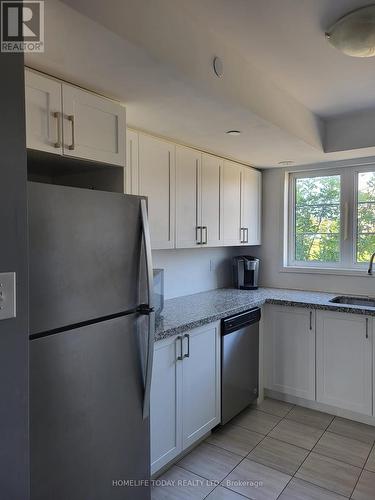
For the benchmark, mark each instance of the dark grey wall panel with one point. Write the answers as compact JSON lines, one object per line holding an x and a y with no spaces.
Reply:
{"x":14,"y":449}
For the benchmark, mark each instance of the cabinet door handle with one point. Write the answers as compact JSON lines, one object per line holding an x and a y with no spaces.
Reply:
{"x":204,"y":242}
{"x":179,"y":340}
{"x":366,"y":328}
{"x":247,"y":234}
{"x":72,"y":146}
{"x":242,"y":235}
{"x":198,"y":237}
{"x":311,"y":320}
{"x":187,"y":336}
{"x":56,"y":115}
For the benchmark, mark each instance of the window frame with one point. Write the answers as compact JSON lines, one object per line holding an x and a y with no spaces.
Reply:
{"x":348,"y":219}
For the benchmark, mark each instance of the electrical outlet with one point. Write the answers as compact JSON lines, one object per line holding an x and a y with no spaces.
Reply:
{"x":7,"y":295}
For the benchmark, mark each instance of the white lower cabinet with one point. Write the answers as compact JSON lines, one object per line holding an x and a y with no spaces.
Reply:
{"x":166,"y":423}
{"x":185,"y":393}
{"x":344,"y":361}
{"x":289,"y":346}
{"x":200,"y":384}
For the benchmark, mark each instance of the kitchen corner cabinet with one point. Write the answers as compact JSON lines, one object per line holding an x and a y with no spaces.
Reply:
{"x":66,"y":120}
{"x":185,"y":392}
{"x":156,"y":171}
{"x":344,"y":361}
{"x":289,"y":346}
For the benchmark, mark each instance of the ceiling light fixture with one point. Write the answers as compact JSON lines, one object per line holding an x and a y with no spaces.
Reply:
{"x":233,"y":132}
{"x":286,"y":163}
{"x":354,"y":33}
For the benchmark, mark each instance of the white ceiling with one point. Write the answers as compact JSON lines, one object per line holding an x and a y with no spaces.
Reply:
{"x":283,"y":84}
{"x":283,"y":38}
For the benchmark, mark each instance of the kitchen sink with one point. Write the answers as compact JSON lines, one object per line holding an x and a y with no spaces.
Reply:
{"x":354,"y":301}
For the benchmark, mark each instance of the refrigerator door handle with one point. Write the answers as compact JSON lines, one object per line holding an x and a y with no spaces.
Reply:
{"x":150,"y":310}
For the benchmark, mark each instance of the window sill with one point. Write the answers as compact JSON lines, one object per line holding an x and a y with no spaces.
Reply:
{"x":326,"y":270}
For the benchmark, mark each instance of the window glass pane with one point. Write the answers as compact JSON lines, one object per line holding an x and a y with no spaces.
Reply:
{"x":317,"y":219}
{"x":365,"y":216}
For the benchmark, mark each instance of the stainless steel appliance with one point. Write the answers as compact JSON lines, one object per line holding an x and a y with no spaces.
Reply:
{"x":239,"y":363}
{"x":246,"y":272}
{"x":158,"y":292}
{"x":91,"y":344}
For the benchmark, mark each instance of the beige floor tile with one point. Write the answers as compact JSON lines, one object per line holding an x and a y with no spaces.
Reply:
{"x":347,"y":450}
{"x":301,"y":490}
{"x":329,"y":473}
{"x":256,"y":481}
{"x":278,"y":455}
{"x":257,"y":421}
{"x":365,"y":489}
{"x":221,"y":493}
{"x":210,"y":462}
{"x":370,"y":464}
{"x":310,"y":417}
{"x":275,"y":407}
{"x":195,"y":487}
{"x":235,"y":439}
{"x":354,"y":430}
{"x":296,"y":433}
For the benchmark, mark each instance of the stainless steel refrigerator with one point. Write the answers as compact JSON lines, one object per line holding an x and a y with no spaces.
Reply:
{"x":91,"y":344}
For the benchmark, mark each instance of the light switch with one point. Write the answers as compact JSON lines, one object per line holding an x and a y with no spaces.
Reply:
{"x":7,"y":295}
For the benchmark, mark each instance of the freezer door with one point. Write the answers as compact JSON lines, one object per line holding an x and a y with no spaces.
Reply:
{"x":88,"y":435}
{"x":84,"y":250}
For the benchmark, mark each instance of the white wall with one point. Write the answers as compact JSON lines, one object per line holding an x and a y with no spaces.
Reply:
{"x":271,"y":251}
{"x":196,"y":270}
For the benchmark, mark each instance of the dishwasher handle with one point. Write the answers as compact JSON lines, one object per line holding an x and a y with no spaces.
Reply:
{"x":238,"y":321}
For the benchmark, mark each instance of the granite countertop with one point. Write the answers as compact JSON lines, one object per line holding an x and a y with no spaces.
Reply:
{"x":191,"y":311}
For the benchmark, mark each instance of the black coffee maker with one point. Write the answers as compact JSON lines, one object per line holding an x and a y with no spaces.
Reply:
{"x":246,"y":272}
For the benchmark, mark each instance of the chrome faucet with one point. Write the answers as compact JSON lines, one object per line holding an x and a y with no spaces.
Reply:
{"x":371,"y":264}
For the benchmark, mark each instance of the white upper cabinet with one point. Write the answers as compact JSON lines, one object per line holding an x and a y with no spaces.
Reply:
{"x":232,"y":203}
{"x":93,"y":126}
{"x":196,"y":200}
{"x":157,"y":182}
{"x":344,"y":361}
{"x":289,"y":347}
{"x":43,"y":113}
{"x":251,"y":199}
{"x":188,"y":197}
{"x":131,"y":177}
{"x":67,"y":120}
{"x":211,"y":204}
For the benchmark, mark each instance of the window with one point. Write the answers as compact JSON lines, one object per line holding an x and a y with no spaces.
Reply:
{"x":317,"y":219}
{"x":365,"y":216}
{"x":331,"y":218}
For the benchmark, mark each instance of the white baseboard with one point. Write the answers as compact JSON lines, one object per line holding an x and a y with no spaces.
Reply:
{"x":314,"y":405}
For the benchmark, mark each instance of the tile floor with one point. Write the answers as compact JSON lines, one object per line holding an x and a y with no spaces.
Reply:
{"x":277,"y":451}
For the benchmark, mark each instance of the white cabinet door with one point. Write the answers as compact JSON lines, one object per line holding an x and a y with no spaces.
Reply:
{"x":251,"y":189}
{"x":165,"y":420}
{"x":201,"y":383}
{"x":211,"y":200}
{"x":131,"y":176}
{"x":344,"y":361}
{"x":188,"y":171}
{"x":232,"y":203}
{"x":43,"y":113}
{"x":157,"y":182}
{"x":93,"y":127}
{"x":289,"y":344}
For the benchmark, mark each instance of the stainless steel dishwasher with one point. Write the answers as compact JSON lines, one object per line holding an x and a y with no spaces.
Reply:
{"x":239,"y":362}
